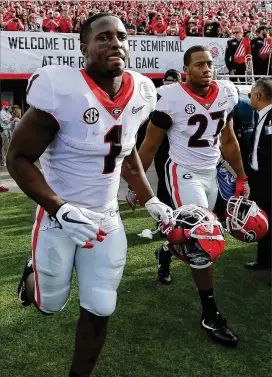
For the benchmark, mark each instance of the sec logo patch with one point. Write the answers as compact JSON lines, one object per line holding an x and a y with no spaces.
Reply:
{"x":190,"y":109}
{"x":91,"y":115}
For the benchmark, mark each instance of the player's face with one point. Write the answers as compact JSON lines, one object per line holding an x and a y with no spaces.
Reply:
{"x":200,"y":68}
{"x":107,"y":49}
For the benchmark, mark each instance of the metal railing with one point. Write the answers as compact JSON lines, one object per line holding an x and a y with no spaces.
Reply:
{"x":246,"y":79}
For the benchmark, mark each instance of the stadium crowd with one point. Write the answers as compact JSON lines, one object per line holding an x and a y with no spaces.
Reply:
{"x":176,"y":18}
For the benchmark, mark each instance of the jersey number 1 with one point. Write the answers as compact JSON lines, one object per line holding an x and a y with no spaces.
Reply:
{"x":113,"y":136}
{"x":195,"y":140}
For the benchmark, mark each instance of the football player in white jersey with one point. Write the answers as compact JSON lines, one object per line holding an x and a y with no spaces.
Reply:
{"x":197,"y":116}
{"x":83,"y":124}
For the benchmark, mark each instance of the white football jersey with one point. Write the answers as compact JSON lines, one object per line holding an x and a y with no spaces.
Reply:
{"x":83,"y":163}
{"x":197,"y":122}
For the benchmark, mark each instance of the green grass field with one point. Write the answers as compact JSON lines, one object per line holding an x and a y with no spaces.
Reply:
{"x":155,"y":330}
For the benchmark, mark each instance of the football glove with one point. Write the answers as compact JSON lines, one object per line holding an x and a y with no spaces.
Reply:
{"x":80,"y":225}
{"x":159,"y":211}
{"x":242,"y":187}
{"x":132,"y":199}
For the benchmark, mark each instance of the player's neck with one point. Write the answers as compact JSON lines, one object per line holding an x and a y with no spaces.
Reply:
{"x":109,"y":85}
{"x":199,"y":90}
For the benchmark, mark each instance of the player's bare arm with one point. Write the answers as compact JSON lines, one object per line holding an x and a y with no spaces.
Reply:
{"x":35,"y":131}
{"x":153,"y":138}
{"x":231,"y":150}
{"x":133,"y":173}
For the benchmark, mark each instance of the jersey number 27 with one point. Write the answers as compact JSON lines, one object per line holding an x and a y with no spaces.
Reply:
{"x":195,"y":140}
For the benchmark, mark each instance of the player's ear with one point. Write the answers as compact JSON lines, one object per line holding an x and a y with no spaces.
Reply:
{"x":84,"y":50}
{"x":185,"y":69}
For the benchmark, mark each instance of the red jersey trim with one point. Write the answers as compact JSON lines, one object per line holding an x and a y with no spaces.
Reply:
{"x":117,"y":106}
{"x":209,"y":98}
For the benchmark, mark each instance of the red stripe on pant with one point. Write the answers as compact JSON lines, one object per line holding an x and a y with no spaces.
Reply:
{"x":175,"y":183}
{"x":34,"y":246}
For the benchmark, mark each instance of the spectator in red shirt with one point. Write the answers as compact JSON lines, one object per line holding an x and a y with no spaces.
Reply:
{"x":14,"y":24}
{"x":10,"y":15}
{"x":159,"y":28}
{"x":57,"y":16}
{"x":65,"y":23}
{"x":49,"y":24}
{"x":155,"y":20}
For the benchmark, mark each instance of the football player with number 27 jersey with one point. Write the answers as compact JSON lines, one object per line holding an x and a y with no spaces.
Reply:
{"x":82,"y":124}
{"x":197,"y":117}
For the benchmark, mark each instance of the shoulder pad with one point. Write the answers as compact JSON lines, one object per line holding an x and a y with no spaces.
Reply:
{"x":46,"y":84}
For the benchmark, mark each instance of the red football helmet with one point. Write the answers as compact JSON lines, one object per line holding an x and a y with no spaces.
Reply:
{"x":245,"y":220}
{"x":197,"y":236}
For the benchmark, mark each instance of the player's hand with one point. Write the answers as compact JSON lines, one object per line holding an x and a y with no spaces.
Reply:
{"x":242,"y":187}
{"x":80,"y":225}
{"x":159,"y":211}
{"x":132,"y":199}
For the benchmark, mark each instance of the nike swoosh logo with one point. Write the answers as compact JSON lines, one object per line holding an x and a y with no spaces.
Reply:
{"x":136,"y":109}
{"x":69,"y":220}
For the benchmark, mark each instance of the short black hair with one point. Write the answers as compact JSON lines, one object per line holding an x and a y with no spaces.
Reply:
{"x":86,"y":26}
{"x":190,"y":51}
{"x":265,"y":83}
{"x":261,"y":28}
{"x":173,"y":74}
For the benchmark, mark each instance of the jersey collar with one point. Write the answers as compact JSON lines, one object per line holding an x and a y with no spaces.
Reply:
{"x":116,"y":106}
{"x":209,"y":98}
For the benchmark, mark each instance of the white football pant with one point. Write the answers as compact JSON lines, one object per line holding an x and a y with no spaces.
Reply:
{"x":191,"y":187}
{"x":99,"y":270}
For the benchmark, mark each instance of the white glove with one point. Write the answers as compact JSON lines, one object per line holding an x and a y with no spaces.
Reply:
{"x":79,"y":224}
{"x":159,"y":211}
{"x":132,"y":199}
